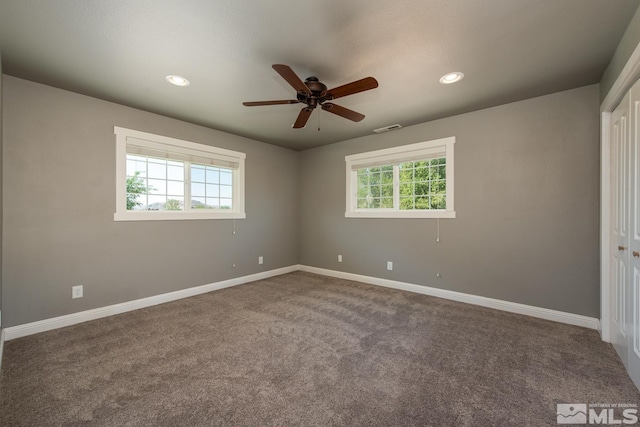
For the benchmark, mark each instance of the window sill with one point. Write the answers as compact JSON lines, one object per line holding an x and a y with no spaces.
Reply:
{"x":171,"y":216}
{"x":401,"y":214}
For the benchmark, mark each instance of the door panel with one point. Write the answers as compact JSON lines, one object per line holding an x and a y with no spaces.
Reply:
{"x":620,"y":227}
{"x":631,"y":303}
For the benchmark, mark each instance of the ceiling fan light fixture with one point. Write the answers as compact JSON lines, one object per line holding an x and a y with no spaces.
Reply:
{"x":449,"y":78}
{"x":177,"y":80}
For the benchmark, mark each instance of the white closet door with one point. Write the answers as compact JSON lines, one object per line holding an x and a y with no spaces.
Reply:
{"x":620,"y":228}
{"x":633,"y":288}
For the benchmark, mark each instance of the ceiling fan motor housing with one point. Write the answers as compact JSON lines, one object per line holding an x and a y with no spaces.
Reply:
{"x":316,"y":88}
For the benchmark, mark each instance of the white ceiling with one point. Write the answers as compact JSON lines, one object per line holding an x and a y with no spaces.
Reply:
{"x":121,"y":50}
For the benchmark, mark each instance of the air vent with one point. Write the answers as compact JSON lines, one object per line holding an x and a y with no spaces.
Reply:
{"x":387,"y":128}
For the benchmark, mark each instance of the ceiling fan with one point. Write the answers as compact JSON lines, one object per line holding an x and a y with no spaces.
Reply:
{"x":313,"y":93}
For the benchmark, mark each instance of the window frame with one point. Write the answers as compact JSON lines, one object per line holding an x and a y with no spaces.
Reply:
{"x":126,"y":136}
{"x":395,"y":155}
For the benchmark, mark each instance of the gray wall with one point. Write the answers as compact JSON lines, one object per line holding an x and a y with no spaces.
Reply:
{"x":59,"y":192}
{"x":1,"y":185}
{"x":625,"y":48}
{"x":526,"y":196}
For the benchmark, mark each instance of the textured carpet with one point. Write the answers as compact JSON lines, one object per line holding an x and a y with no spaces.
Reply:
{"x":302,"y":349}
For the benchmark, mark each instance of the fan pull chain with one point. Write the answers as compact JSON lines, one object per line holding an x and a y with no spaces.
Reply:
{"x":318,"y":120}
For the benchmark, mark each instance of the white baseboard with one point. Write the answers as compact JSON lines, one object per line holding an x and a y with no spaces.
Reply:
{"x":1,"y":346}
{"x":97,"y":313}
{"x":512,"y":307}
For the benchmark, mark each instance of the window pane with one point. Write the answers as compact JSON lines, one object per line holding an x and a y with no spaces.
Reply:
{"x":387,"y":191}
{"x":175,"y":172}
{"x":136,"y":201}
{"x":226,"y":177}
{"x":156,"y":203}
{"x":157,"y":186}
{"x":136,"y":164}
{"x":438,"y":187}
{"x":197,"y":203}
{"x":141,"y":168}
{"x":131,"y":167}
{"x":197,"y":173}
{"x":406,"y":175}
{"x":438,"y":202}
{"x":175,"y":188}
{"x":157,"y":170}
{"x":197,"y":189}
{"x":386,"y":202}
{"x":362,"y":192}
{"x":213,"y":175}
{"x":225,"y":203}
{"x":406,"y":189}
{"x":422,"y":189}
{"x":225,"y":191}
{"x":422,"y":203}
{"x":421,"y":174}
{"x":213,"y":190}
{"x":174,"y":204}
{"x":213,"y":203}
{"x":406,"y":203}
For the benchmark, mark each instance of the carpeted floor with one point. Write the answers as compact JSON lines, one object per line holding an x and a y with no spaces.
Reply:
{"x":308,"y":350}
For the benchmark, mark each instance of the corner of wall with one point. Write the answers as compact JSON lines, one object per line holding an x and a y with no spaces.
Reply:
{"x":628,"y":43}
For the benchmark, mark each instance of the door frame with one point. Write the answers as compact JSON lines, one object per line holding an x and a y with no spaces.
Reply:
{"x":627,"y":77}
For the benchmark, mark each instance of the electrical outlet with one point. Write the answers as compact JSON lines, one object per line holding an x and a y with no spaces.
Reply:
{"x":389,"y":265}
{"x":76,"y":291}
{"x":260,"y":260}
{"x":339,"y":258}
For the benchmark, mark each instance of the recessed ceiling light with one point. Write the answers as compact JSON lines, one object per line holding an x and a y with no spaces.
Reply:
{"x":178,"y":80}
{"x":451,"y":78}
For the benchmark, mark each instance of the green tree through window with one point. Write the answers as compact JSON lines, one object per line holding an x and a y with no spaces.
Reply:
{"x":135,"y":187}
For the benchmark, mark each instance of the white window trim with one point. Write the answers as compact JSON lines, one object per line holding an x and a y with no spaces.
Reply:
{"x":177,"y":145}
{"x":390,"y":155}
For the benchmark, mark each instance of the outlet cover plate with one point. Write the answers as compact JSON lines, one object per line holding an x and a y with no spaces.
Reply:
{"x":76,"y":292}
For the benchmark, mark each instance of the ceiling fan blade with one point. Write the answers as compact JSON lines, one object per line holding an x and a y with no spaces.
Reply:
{"x":291,"y":77}
{"x":343,"y":112}
{"x":259,"y":103}
{"x":304,"y":115}
{"x":350,"y":88}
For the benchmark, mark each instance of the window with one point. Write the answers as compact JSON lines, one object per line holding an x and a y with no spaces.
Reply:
{"x":161,"y":178}
{"x":410,"y":181}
